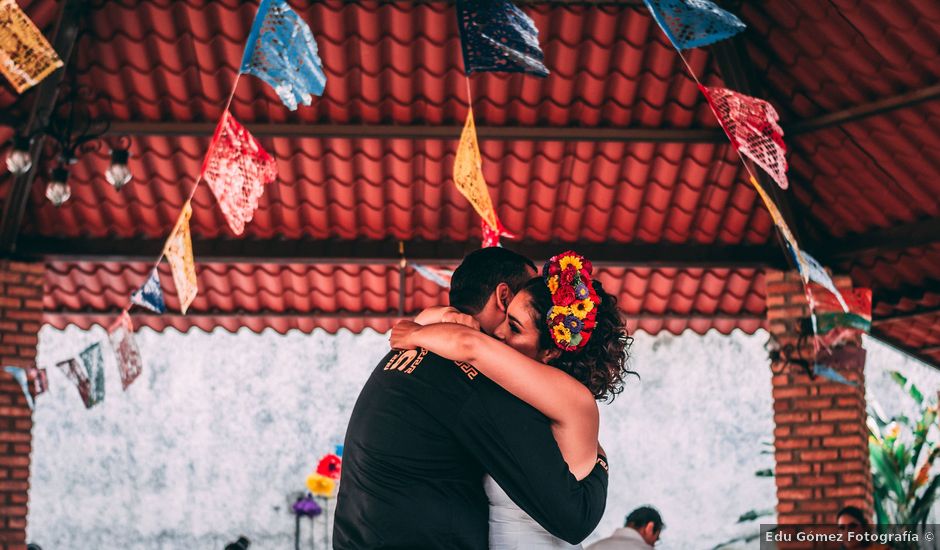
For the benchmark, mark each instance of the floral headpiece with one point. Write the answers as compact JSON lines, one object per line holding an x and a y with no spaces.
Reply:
{"x":571,"y":319}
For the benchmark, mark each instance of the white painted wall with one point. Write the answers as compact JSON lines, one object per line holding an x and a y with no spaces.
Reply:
{"x":221,"y":430}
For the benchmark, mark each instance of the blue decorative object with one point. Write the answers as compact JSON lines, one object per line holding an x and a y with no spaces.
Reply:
{"x":281,"y":51}
{"x":817,"y":273}
{"x":440,"y":277}
{"x":832,"y":374}
{"x":498,"y":37}
{"x":339,"y":450}
{"x":93,"y":360}
{"x":694,"y":23}
{"x":150,"y":295}
{"x":20,"y":375}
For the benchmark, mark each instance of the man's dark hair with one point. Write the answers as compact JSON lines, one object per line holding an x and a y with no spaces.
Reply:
{"x":481,"y":272}
{"x":644,"y":515}
{"x":855,"y":513}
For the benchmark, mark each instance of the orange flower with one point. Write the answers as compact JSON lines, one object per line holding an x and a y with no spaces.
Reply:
{"x":923,"y":475}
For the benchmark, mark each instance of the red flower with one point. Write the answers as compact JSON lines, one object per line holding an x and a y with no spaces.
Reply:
{"x":593,"y":295}
{"x":564,"y":296}
{"x":568,"y":275}
{"x":587,"y":266}
{"x":330,"y":466}
{"x":553,"y":268}
{"x":589,"y":322}
{"x":557,"y":320}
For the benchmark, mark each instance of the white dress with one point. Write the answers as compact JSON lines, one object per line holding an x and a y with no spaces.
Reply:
{"x":513,"y":529}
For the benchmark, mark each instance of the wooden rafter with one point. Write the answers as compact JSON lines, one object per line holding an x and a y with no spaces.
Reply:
{"x":386,"y":252}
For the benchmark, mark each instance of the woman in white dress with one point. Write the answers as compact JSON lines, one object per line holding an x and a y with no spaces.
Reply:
{"x":562,"y":346}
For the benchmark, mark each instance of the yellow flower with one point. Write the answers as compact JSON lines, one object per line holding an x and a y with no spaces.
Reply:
{"x":553,"y":284}
{"x":559,"y":310}
{"x":320,"y":485}
{"x":581,"y":308}
{"x":565,"y":261}
{"x":893,"y":430}
{"x":562,"y":334}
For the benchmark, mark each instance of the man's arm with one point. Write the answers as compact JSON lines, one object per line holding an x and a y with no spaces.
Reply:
{"x":514,"y":444}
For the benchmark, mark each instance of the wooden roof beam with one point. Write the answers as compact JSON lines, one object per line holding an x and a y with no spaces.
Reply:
{"x":391,"y":314}
{"x":899,"y":237}
{"x":865,"y":110}
{"x":440,"y":132}
{"x":385,"y":252}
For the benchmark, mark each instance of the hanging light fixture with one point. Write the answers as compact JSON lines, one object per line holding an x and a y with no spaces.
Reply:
{"x":68,"y":130}
{"x":19,"y":160}
{"x":119,"y":173}
{"x":58,"y":190}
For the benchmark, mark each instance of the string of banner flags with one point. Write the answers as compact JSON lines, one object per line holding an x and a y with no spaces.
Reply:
{"x":751,"y":125}
{"x":496,"y":36}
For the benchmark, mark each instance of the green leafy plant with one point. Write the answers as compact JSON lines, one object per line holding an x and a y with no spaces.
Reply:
{"x":903,"y":450}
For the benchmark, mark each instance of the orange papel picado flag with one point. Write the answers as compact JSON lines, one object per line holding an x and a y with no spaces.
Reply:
{"x":179,"y":252}
{"x":468,"y":174}
{"x":26,"y":57}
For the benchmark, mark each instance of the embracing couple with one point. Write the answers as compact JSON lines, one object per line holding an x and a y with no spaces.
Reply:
{"x":479,"y":429}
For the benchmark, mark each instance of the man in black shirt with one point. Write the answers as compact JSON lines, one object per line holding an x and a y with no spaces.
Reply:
{"x":425,"y":430}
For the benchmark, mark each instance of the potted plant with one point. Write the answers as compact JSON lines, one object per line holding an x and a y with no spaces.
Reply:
{"x":903,"y":450}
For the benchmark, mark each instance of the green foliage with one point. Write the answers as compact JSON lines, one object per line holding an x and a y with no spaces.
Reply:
{"x":751,"y":515}
{"x":903,"y":451}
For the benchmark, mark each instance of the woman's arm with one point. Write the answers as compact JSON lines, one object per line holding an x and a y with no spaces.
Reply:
{"x":553,"y":392}
{"x":446,"y":314}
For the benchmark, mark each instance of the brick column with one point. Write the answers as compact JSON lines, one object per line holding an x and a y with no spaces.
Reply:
{"x":820,"y":439}
{"x":21,"y":292}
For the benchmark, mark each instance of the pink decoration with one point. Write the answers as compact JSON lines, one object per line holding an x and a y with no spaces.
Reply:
{"x":491,"y":237}
{"x":121,"y":335}
{"x":237,"y":169}
{"x":40,"y":381}
{"x":751,"y":125}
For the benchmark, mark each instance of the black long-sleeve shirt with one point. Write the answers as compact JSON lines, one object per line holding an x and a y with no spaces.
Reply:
{"x":423,"y":432}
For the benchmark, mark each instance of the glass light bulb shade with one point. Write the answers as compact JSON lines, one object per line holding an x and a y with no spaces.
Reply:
{"x":118,"y":175}
{"x":58,"y":192}
{"x":19,"y":161}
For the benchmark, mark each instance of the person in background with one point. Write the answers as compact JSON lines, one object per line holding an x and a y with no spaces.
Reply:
{"x":640,"y":532}
{"x":853,"y":519}
{"x":241,"y":544}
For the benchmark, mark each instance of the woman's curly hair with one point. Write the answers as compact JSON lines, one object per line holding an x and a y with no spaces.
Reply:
{"x":601,"y":365}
